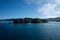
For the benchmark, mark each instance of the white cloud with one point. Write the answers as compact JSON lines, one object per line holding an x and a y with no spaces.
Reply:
{"x":57,"y":1}
{"x":49,"y":16}
{"x":48,"y":9}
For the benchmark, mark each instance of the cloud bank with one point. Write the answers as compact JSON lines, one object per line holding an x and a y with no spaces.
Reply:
{"x":49,"y":8}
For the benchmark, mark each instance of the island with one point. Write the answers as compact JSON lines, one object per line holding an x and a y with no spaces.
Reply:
{"x":29,"y":20}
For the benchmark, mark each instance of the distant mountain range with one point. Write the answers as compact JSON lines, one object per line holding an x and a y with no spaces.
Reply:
{"x":11,"y":19}
{"x":48,"y":19}
{"x":7,"y":20}
{"x":54,"y":19}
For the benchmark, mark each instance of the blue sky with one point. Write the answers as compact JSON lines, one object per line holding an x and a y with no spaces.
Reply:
{"x":29,"y":8}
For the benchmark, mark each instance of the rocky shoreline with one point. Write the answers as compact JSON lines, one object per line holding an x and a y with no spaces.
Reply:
{"x":29,"y":20}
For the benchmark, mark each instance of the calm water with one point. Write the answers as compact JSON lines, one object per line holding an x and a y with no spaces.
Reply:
{"x":41,"y":31}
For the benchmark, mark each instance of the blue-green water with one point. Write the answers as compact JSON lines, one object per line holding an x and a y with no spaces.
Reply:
{"x":40,"y":31}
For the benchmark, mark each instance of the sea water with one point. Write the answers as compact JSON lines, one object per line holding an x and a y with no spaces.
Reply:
{"x":30,"y":31}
